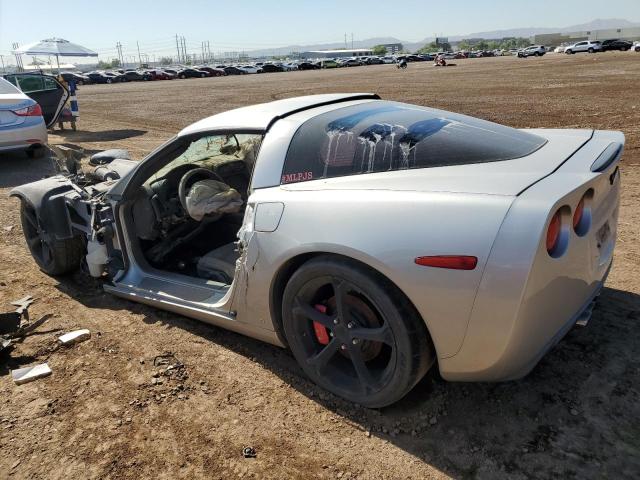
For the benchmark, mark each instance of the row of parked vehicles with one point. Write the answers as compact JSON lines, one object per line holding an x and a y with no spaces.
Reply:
{"x":170,"y":73}
{"x":587,"y":46}
{"x":203,"y":71}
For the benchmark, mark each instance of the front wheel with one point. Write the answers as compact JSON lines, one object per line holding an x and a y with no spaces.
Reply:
{"x":353,"y":332}
{"x":591,"y":50}
{"x":54,"y":257}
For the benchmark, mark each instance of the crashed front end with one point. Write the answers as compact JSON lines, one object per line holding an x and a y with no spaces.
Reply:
{"x":72,"y":205}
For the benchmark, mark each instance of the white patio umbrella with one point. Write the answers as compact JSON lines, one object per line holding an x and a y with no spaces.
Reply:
{"x":57,"y":47}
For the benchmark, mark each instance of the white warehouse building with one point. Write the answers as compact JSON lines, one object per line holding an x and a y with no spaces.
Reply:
{"x":342,"y":53}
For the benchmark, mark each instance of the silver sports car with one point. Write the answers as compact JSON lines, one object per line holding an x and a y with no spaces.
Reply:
{"x":372,"y":238}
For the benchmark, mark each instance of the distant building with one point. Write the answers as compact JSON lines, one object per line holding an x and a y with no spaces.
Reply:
{"x":342,"y":53}
{"x":393,"y":48}
{"x":556,"y":39}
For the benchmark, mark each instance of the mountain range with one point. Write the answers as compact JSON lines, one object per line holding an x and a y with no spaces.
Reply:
{"x":412,"y":46}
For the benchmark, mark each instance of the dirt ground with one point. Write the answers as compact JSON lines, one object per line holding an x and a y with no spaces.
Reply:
{"x":100,"y":415}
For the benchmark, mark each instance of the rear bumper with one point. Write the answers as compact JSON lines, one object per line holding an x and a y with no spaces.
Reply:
{"x":32,"y":132}
{"x":583,"y":314}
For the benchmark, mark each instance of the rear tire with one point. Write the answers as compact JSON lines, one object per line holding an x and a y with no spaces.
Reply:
{"x":375,"y":347}
{"x":54,"y":257}
{"x":591,"y":50}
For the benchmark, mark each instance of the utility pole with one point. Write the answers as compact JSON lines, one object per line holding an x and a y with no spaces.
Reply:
{"x":139,"y":58}
{"x":2,"y":61}
{"x":18,"y":57}
{"x":120,"y":56}
{"x":178,"y":48}
{"x":183,"y":42}
{"x":345,"y":41}
{"x":351,"y":40}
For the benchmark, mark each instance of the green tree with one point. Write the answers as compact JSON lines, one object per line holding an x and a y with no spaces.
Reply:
{"x":464,"y":45}
{"x":166,"y":61}
{"x":379,"y":50}
{"x":115,"y":63}
{"x":103,"y":65}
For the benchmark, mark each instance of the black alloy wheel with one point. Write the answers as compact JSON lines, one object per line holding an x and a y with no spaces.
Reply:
{"x":354,"y":333}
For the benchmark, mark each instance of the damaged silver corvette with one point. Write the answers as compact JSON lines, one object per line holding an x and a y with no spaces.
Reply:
{"x":373,"y":238}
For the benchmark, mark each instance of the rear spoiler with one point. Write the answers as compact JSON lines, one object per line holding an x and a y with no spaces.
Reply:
{"x":609,"y":156}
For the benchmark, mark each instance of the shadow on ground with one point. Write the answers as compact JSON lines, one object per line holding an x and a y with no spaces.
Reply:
{"x":16,"y":168}
{"x":99,"y":136}
{"x":579,"y":407}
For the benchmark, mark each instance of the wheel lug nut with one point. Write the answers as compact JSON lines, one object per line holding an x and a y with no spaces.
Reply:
{"x":336,"y":321}
{"x":355,"y":341}
{"x":350,"y":325}
{"x":343,"y":347}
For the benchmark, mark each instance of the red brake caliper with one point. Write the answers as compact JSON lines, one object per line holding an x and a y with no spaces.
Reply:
{"x":321,"y":331}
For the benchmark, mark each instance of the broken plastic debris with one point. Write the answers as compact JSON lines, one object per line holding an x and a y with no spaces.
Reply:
{"x":29,"y":374}
{"x":74,"y":337}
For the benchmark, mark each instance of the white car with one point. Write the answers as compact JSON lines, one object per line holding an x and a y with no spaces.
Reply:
{"x":289,"y":67}
{"x":532,"y":51}
{"x":388,"y":59}
{"x":584,"y":46}
{"x":29,"y":103}
{"x":250,"y":68}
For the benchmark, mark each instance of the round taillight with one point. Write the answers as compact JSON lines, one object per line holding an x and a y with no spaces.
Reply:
{"x":553,"y":232}
{"x":577,"y":215}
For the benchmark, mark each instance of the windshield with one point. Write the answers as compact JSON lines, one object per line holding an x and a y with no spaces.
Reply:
{"x":212,"y":150}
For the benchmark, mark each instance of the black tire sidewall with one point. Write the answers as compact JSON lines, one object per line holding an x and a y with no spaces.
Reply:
{"x":66,"y":254}
{"x":409,"y":345}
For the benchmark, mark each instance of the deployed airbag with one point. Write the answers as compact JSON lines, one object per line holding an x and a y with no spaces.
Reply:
{"x":211,"y":197}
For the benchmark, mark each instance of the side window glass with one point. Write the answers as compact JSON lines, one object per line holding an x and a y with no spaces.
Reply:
{"x":50,"y":83}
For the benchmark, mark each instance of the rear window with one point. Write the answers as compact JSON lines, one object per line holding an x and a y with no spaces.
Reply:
{"x":6,"y":87}
{"x":385,"y":136}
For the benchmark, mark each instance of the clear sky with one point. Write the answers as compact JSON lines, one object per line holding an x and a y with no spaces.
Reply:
{"x":250,"y":24}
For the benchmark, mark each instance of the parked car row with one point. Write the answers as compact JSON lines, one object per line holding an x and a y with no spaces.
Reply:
{"x":182,"y":72}
{"x":588,"y":46}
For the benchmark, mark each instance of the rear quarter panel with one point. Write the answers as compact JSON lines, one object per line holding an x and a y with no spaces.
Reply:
{"x":386,"y":230}
{"x":526,"y":297}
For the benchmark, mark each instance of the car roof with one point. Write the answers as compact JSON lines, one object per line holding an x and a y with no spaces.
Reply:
{"x":263,"y":115}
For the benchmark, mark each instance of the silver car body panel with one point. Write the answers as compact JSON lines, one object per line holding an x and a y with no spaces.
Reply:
{"x":490,"y":323}
{"x":527,"y":299}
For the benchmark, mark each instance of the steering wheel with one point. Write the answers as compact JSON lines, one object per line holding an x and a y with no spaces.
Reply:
{"x":191,"y":177}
